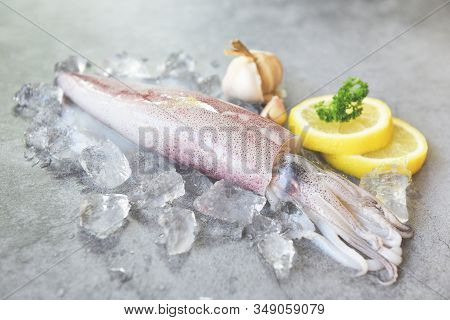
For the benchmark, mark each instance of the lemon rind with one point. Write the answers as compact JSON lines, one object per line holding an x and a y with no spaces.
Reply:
{"x":358,"y":165}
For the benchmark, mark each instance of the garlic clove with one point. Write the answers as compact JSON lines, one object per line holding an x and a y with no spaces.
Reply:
{"x":270,"y":70}
{"x":275,"y":111}
{"x":242,"y":80}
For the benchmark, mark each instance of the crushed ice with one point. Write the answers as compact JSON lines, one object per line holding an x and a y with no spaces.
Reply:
{"x":278,"y":252}
{"x":262,"y":225}
{"x":156,"y":191}
{"x":124,"y":65}
{"x":195,"y":184}
{"x":72,"y":64}
{"x":389,"y":186}
{"x":185,"y":203}
{"x":33,"y":98}
{"x":101,"y":215}
{"x":227,"y":202}
{"x":179,"y":227}
{"x":105,"y":164}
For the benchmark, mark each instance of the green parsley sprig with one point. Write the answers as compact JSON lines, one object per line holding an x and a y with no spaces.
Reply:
{"x":346,"y":103}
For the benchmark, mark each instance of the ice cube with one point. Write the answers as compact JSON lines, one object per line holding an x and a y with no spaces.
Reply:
{"x":38,"y":142}
{"x":177,"y":64}
{"x":146,"y":163}
{"x":63,"y":159}
{"x":389,"y":186}
{"x":124,"y":65}
{"x":195,"y":184}
{"x":210,"y":85}
{"x":38,"y":94}
{"x":56,"y":146}
{"x":29,"y":153}
{"x":105,"y":164}
{"x":46,"y":117}
{"x":213,"y":229}
{"x":66,"y":150}
{"x":47,"y":138}
{"x":262,"y":225}
{"x":73,"y":63}
{"x":225,"y":201}
{"x":37,"y":137}
{"x":60,"y":140}
{"x":34,"y":97}
{"x":157,"y":191}
{"x":278,"y":252}
{"x":103,"y":214}
{"x":79,"y":140}
{"x":179,"y":227}
{"x":178,"y":72}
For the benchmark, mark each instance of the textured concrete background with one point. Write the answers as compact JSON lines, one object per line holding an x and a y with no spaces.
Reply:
{"x":316,"y":40}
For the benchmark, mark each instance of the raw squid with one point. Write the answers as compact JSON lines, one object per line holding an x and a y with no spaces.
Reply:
{"x":225,"y":141}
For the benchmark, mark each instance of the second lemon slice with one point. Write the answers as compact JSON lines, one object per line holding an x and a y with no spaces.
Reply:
{"x":408,"y":149}
{"x":372,"y":130}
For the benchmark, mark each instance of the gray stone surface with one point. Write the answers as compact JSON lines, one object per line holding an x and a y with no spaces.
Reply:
{"x":316,"y":40}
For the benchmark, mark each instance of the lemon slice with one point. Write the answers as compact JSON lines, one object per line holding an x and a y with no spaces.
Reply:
{"x":408,"y":149}
{"x":372,"y":130}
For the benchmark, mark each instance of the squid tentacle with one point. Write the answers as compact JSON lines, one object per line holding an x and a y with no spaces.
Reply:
{"x":369,"y":217}
{"x":362,"y":246}
{"x":391,"y":255}
{"x":335,"y":253}
{"x":329,"y":243}
{"x":312,"y":186}
{"x":333,"y":214}
{"x":390,"y":267}
{"x":332,"y":236}
{"x":369,"y":200}
{"x":356,"y":229}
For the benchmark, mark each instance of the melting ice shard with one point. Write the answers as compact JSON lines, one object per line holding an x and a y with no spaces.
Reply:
{"x":104,"y":214}
{"x":179,"y":71}
{"x":124,"y":65}
{"x":105,"y":164}
{"x":389,"y":186}
{"x":278,"y":252}
{"x":195,"y":184}
{"x":72,"y":64}
{"x":262,"y":225}
{"x":179,"y":227}
{"x":177,"y":63}
{"x":155,"y":192}
{"x":225,"y":201}
{"x":146,"y":164}
{"x":35,"y":97}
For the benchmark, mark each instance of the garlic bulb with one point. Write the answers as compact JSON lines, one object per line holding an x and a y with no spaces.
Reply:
{"x":253,"y":76}
{"x":275,"y":110}
{"x":242,"y":81}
